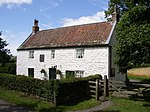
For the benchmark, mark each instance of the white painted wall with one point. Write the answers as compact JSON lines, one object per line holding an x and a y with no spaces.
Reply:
{"x":95,"y":61}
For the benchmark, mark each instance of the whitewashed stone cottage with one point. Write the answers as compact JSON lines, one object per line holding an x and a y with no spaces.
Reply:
{"x":81,"y":50}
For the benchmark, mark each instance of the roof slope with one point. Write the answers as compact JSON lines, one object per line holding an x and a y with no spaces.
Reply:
{"x":80,"y":35}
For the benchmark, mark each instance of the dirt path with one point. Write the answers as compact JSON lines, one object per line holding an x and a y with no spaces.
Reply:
{"x":7,"y":107}
{"x":102,"y":106}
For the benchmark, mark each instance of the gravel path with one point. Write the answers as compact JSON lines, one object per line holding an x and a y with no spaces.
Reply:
{"x":102,"y":106}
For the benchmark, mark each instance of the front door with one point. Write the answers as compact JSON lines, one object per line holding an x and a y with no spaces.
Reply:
{"x":52,"y":73}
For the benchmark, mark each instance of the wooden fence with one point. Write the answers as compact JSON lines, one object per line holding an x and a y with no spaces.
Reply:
{"x":104,"y":87}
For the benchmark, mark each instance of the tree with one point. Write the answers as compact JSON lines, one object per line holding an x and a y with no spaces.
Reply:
{"x":133,"y":38}
{"x":4,"y":53}
{"x":125,"y":5}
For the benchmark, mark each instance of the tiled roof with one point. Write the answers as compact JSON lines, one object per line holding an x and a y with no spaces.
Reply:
{"x":79,"y":35}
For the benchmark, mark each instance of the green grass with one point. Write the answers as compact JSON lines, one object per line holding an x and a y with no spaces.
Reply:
{"x":126,"y":105}
{"x":84,"y":105}
{"x":130,"y":76}
{"x":143,"y":79}
{"x":17,"y":98}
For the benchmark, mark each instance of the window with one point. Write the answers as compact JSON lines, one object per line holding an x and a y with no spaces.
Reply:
{"x":52,"y":54}
{"x":79,"y":53}
{"x":31,"y":72}
{"x":42,"y":58}
{"x":31,"y":54}
{"x":73,"y":74}
{"x":70,"y":74}
{"x":79,"y":73}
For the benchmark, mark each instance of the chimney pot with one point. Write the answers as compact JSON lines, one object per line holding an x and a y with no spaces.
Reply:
{"x":35,"y":28}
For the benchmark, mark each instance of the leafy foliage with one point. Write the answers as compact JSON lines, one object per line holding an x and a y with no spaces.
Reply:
{"x":65,"y":90}
{"x":133,"y":37}
{"x":4,"y":53}
{"x":125,"y":5}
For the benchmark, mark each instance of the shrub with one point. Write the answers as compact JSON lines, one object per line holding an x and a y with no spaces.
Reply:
{"x":27,"y":85}
{"x":72,"y":90}
{"x":11,"y":68}
{"x":3,"y":70}
{"x":65,"y":90}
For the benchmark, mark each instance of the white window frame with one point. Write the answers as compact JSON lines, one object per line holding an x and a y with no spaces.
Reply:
{"x":79,"y":73}
{"x":79,"y":53}
{"x":52,"y":54}
{"x":31,"y":54}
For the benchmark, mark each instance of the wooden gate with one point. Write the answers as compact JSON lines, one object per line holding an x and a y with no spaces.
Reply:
{"x":104,"y":87}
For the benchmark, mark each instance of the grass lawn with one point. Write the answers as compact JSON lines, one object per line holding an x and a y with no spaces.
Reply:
{"x":134,"y":105}
{"x":40,"y":105}
{"x":142,"y":74}
{"x":126,"y":105}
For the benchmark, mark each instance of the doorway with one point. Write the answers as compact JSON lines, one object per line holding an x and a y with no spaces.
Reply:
{"x":52,"y":73}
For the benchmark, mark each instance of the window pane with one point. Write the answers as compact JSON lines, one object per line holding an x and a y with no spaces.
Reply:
{"x":31,"y":54}
{"x":42,"y":58}
{"x":79,"y":53}
{"x":70,"y":74}
{"x":52,"y":54}
{"x":31,"y":72}
{"x":79,"y":73}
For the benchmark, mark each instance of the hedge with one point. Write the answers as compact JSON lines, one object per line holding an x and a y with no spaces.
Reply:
{"x":9,"y":68}
{"x":3,"y":69}
{"x":27,"y":85}
{"x":65,"y":90}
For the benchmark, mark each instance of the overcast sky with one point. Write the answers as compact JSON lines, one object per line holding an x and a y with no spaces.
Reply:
{"x":17,"y":16}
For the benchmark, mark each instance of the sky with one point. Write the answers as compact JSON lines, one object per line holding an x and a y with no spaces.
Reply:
{"x":17,"y":16}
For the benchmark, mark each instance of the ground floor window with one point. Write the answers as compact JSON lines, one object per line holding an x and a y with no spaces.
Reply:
{"x":31,"y":72}
{"x":79,"y":73}
{"x":70,"y":74}
{"x":73,"y":74}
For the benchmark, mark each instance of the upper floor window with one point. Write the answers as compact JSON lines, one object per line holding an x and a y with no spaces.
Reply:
{"x":31,"y":54}
{"x":42,"y":58}
{"x":53,"y":54}
{"x":79,"y":53}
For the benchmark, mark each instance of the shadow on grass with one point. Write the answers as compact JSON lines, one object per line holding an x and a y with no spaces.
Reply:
{"x":147,"y":81}
{"x":109,"y":111}
{"x":58,"y":109}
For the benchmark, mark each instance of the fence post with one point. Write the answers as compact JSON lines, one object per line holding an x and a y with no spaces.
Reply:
{"x":105,"y":86}
{"x":97,"y":89}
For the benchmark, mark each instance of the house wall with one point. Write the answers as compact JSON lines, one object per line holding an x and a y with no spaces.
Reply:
{"x":118,"y":75}
{"x":95,"y":61}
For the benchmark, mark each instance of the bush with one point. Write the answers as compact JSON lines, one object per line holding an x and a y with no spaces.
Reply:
{"x":65,"y":90}
{"x":11,"y":67}
{"x":27,"y":85}
{"x":72,"y":90}
{"x":3,"y":70}
{"x":76,"y":89}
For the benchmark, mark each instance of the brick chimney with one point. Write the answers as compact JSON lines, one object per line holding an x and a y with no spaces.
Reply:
{"x":115,"y":16}
{"x":35,"y":28}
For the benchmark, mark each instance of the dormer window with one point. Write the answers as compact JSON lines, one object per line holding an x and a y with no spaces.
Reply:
{"x":79,"y":53}
{"x":31,"y":54}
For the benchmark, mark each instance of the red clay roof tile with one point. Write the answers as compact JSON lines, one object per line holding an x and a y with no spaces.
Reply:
{"x":79,"y":35}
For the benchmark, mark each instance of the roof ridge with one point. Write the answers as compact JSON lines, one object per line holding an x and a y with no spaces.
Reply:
{"x":76,"y":25}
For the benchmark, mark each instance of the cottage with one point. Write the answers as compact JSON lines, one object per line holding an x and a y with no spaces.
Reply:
{"x":80,"y":50}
